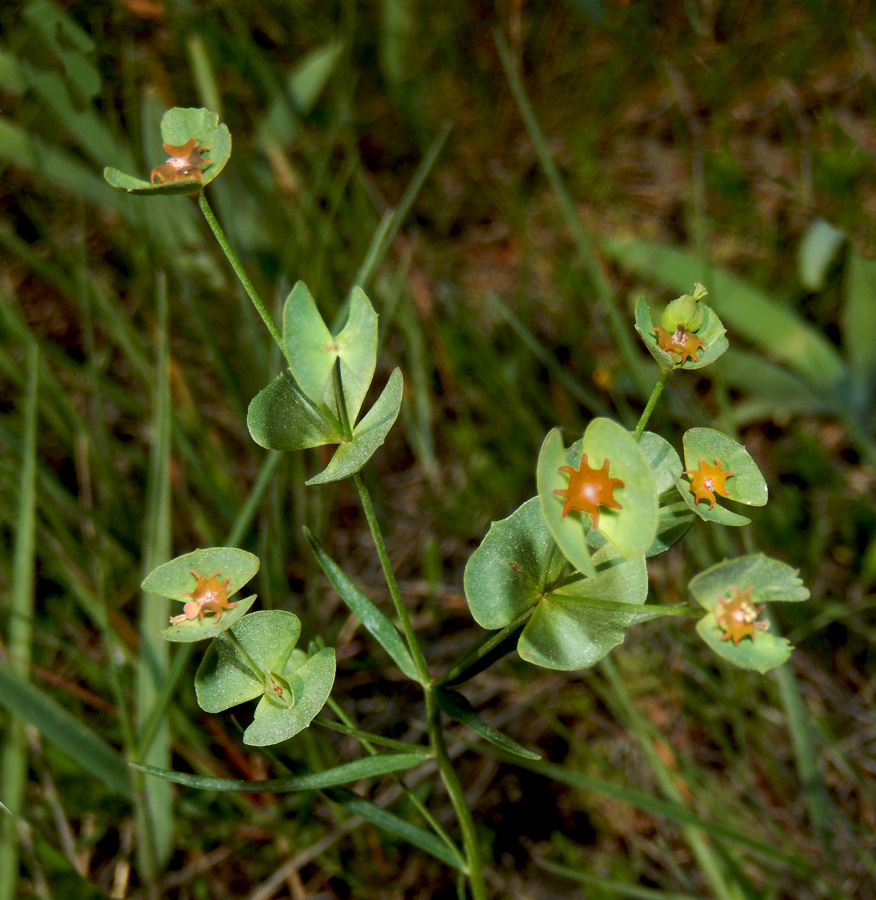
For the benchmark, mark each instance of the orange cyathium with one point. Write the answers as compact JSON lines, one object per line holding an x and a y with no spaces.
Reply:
{"x":738,"y":616}
{"x":589,"y":489}
{"x":708,"y":480}
{"x":209,"y":595}
{"x":682,"y":343}
{"x":185,"y":162}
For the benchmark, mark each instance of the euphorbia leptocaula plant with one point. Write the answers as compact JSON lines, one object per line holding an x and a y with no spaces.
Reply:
{"x":562,"y":578}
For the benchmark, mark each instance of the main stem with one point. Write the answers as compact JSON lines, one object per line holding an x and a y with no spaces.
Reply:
{"x":248,"y":286}
{"x":451,"y":781}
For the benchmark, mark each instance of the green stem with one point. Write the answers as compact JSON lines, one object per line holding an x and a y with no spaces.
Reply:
{"x":457,"y":797}
{"x":248,"y":286}
{"x":391,"y":583}
{"x":652,"y":402}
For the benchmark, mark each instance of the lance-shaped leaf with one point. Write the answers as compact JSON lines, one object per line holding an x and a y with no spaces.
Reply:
{"x":458,"y":707}
{"x":179,"y":126}
{"x":380,"y":627}
{"x":313,"y":350}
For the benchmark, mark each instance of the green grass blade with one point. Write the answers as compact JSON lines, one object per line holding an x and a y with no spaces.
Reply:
{"x":620,"y":330}
{"x":64,"y":730}
{"x":13,"y":766}
{"x":155,"y":820}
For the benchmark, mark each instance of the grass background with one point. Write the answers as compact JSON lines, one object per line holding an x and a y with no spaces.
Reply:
{"x":129,"y":354}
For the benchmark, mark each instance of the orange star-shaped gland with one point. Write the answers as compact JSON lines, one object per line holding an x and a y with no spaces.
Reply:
{"x":209,"y":595}
{"x":738,"y":616}
{"x":706,"y":481}
{"x":185,"y":162}
{"x":589,"y":489}
{"x":682,"y":343}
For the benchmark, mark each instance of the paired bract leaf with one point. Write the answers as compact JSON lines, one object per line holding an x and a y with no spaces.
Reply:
{"x":631,"y":529}
{"x":571,"y":629}
{"x":507,"y":573}
{"x":299,"y":408}
{"x":516,"y":569}
{"x":764,"y":580}
{"x":282,"y":417}
{"x":178,"y":126}
{"x":706,"y":446}
{"x":289,"y":699}
{"x":313,"y":350}
{"x":175,"y":579}
{"x":368,"y":435}
{"x":711,"y":333}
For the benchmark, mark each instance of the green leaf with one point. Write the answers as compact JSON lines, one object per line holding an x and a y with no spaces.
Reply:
{"x":377,"y":624}
{"x":61,"y":728}
{"x":394,"y":824}
{"x":310,"y":684}
{"x":311,"y":73}
{"x":570,"y":532}
{"x":458,"y":707}
{"x":569,"y":630}
{"x":368,"y":435}
{"x":313,"y":350}
{"x":282,"y":417}
{"x":663,"y":459}
{"x":225,"y":679}
{"x":371,"y":767}
{"x":178,"y":125}
{"x":746,"y":485}
{"x":507,"y":573}
{"x":175,"y":579}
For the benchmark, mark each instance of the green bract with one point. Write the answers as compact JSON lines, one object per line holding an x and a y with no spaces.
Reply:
{"x":632,"y":529}
{"x":746,"y":485}
{"x":516,"y":576}
{"x":175,"y":580}
{"x":770,"y":581}
{"x":178,"y":125}
{"x":711,"y":332}
{"x":291,"y":695}
{"x":301,"y":407}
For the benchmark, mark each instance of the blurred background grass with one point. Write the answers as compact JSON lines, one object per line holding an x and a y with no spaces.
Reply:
{"x":741,"y":134}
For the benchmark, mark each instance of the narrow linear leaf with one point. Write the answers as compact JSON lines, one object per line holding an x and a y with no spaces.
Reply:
{"x":458,"y":707}
{"x":370,"y":767}
{"x":396,"y":825}
{"x":377,"y":624}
